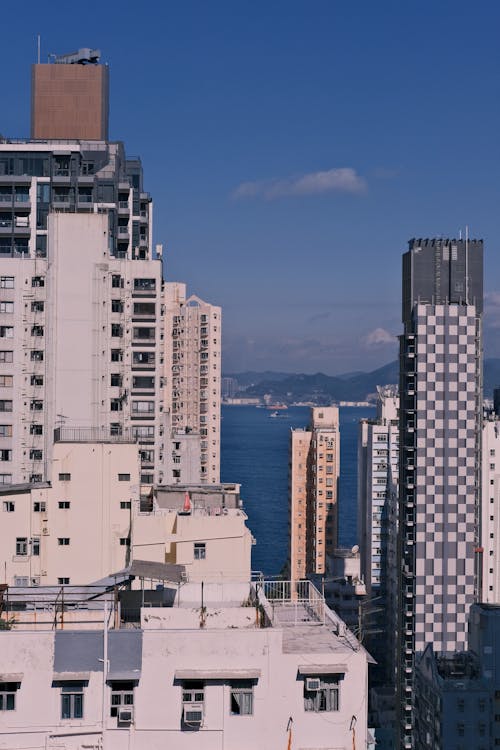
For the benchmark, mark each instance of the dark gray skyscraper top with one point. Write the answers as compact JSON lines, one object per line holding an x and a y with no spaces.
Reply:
{"x":442,"y":272}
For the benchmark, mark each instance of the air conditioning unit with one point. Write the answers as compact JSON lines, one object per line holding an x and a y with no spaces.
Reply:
{"x":35,"y":581}
{"x":45,"y":530}
{"x":126,"y":715}
{"x":193,"y":713}
{"x":313,"y":684}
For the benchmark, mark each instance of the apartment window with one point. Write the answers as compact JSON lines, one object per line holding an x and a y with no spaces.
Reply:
{"x":143,"y":358}
{"x":63,"y":541}
{"x":5,"y":430}
{"x":241,"y":701}
{"x":39,"y":507}
{"x":5,"y":478}
{"x":64,"y":504}
{"x":147,"y":479}
{"x":116,"y":281}
{"x":200,"y":551}
{"x":36,"y":404}
{"x":8,"y":692}
{"x":72,"y":698}
{"x":37,"y":330}
{"x":116,"y":355}
{"x":64,"y":477}
{"x":7,"y":332}
{"x":124,"y":477}
{"x":122,"y":696}
{"x":143,"y":382}
{"x":36,"y":380}
{"x":37,"y":281}
{"x":144,"y":333}
{"x":116,"y":404}
{"x":36,"y":454}
{"x":116,"y":330}
{"x":125,"y":541}
{"x":326,"y":697}
{"x":35,"y":546}
{"x":6,"y":356}
{"x":145,"y":285}
{"x":143,"y":407}
{"x":63,"y":581}
{"x":144,"y":308}
{"x":21,"y":546}
{"x":37,"y":306}
{"x":147,"y":457}
{"x":6,"y":282}
{"x":6,"y":307}
{"x":116,"y":306}
{"x":5,"y":405}
{"x":116,"y":379}
{"x":115,"y":429}
{"x":125,"y":504}
{"x":5,"y":455}
{"x":36,"y":355}
{"x":8,"y":506}
{"x":143,"y":433}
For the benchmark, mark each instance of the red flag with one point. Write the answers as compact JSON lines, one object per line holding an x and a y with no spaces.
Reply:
{"x":187,"y":503}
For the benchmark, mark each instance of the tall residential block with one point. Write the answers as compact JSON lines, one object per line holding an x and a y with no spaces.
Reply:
{"x":378,"y":479}
{"x":192,"y":388}
{"x":313,"y":492}
{"x":69,"y":98}
{"x":490,"y":510}
{"x":440,"y":472}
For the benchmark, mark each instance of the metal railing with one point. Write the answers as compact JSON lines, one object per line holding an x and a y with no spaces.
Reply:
{"x":92,"y":435}
{"x":291,"y":603}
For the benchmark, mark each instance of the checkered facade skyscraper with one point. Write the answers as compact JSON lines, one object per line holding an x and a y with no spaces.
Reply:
{"x":440,"y":422}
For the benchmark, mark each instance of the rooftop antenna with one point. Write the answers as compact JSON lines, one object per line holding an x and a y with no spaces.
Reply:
{"x":38,"y":49}
{"x":466,"y":264}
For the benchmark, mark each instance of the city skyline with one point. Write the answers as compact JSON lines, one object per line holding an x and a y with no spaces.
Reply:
{"x":301,"y":148}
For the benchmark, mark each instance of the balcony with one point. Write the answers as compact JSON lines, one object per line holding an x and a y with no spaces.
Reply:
{"x":123,"y":207}
{"x":123,"y":232}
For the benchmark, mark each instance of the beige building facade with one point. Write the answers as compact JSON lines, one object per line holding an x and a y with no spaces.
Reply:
{"x":314,"y":474}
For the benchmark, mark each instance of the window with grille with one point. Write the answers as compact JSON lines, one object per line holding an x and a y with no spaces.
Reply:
{"x":122,"y":696}
{"x":72,"y":700}
{"x":241,"y":701}
{"x":326,"y":698}
{"x":8,"y":692}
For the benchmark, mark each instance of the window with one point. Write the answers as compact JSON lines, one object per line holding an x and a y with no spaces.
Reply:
{"x":21,"y":545}
{"x":116,"y":281}
{"x":63,"y":581}
{"x":116,"y":379}
{"x":6,"y":356}
{"x":116,"y":404}
{"x":37,"y":281}
{"x":124,"y":477}
{"x":6,"y":282}
{"x":125,"y":541}
{"x":64,"y":504}
{"x":115,"y":429}
{"x":143,"y":433}
{"x":143,"y":382}
{"x":64,"y":477}
{"x":144,"y":308}
{"x":200,"y":551}
{"x":241,"y":702}
{"x":326,"y":697}
{"x":144,"y":333}
{"x":8,"y":695}
{"x":37,"y":306}
{"x":144,"y":285}
{"x":7,"y":332}
{"x":34,"y":478}
{"x":71,"y":696}
{"x":36,"y":355}
{"x":37,"y":330}
{"x":35,"y":546}
{"x":116,"y":355}
{"x":8,"y":506}
{"x":143,"y":407}
{"x":143,"y":358}
{"x":36,"y":454}
{"x":125,"y":504}
{"x":39,"y":507}
{"x":63,"y":541}
{"x":5,"y":405}
{"x":116,"y":330}
{"x":116,"y":306}
{"x":5,"y":430}
{"x":5,"y":478}
{"x":122,"y":696}
{"x":36,"y":404}
{"x":193,"y":691}
{"x":6,"y":307}
{"x":36,"y":380}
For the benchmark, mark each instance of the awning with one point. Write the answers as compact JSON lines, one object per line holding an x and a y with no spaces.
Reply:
{"x":323,"y":669}
{"x":11,"y":676}
{"x":124,"y":675}
{"x":71,"y":677}
{"x":217,"y":674}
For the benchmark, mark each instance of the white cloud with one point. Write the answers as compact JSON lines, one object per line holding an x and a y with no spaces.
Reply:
{"x":344,"y":180}
{"x":379,"y":337}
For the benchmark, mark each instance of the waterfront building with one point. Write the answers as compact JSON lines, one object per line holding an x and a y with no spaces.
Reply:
{"x":313,"y":491}
{"x":440,"y":408}
{"x":236,"y":665}
{"x":490,"y":508}
{"x":192,"y":388}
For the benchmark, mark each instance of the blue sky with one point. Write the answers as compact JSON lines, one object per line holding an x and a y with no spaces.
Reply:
{"x":292,"y":149}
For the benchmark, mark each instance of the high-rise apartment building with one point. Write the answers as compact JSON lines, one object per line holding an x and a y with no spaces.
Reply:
{"x":192,"y":388}
{"x":441,"y":403}
{"x":314,"y":473}
{"x":490,"y":509}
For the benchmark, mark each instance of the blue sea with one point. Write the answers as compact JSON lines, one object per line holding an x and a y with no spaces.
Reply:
{"x":254,"y":452}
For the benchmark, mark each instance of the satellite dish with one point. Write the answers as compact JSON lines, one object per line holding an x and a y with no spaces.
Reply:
{"x":355,"y":549}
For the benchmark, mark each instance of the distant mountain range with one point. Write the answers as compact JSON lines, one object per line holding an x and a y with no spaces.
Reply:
{"x":320,"y":388}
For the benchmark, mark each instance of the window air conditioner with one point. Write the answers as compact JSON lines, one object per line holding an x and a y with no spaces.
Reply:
{"x":45,"y":530}
{"x":126,"y":715}
{"x":313,"y":684}
{"x":193,"y":713}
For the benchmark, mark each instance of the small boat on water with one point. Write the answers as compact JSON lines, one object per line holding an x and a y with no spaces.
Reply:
{"x":276,"y":407}
{"x":275,"y":415}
